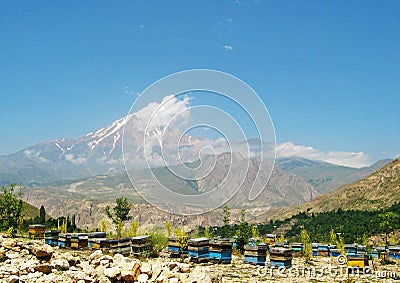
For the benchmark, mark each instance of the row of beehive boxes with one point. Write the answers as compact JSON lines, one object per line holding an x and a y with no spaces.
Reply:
{"x":202,"y":249}
{"x":97,"y":240}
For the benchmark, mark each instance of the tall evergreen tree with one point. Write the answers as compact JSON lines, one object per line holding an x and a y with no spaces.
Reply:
{"x":42,"y":215}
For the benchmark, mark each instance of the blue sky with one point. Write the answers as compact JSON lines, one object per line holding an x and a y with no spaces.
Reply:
{"x":328,"y":71}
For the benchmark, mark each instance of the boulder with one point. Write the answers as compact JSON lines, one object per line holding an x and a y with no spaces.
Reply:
{"x":142,"y":278}
{"x":112,"y":272}
{"x":13,"y":279}
{"x":61,"y":264}
{"x":44,"y":268}
{"x":43,"y":251}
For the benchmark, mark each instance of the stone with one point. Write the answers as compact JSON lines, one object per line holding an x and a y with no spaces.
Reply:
{"x":173,"y":280}
{"x":61,"y":264}
{"x":112,"y":272}
{"x":13,"y":279}
{"x":172,"y":265}
{"x":146,"y":268}
{"x":199,"y":275}
{"x":44,"y":268}
{"x":12,"y":255}
{"x":43,"y":251}
{"x":96,"y":255}
{"x":184,"y":268}
{"x":142,"y":278}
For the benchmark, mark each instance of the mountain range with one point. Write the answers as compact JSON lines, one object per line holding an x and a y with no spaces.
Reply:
{"x":80,"y":176}
{"x":379,"y":190}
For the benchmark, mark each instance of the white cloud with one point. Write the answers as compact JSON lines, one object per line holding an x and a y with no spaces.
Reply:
{"x":352,"y":159}
{"x":77,"y":161}
{"x":228,"y":47}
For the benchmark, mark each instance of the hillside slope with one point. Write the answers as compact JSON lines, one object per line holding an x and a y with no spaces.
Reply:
{"x":379,"y":190}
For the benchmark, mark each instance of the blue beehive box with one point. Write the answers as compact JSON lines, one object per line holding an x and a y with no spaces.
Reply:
{"x":51,"y":237}
{"x":254,"y":254}
{"x":394,"y":252}
{"x":198,"y":249}
{"x":280,"y":257}
{"x":221,"y":251}
{"x":351,"y":249}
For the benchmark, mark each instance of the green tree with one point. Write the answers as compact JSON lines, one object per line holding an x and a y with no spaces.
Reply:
{"x":156,"y":241}
{"x":243,"y":233}
{"x":168,"y":228}
{"x":227,"y":215}
{"x":121,"y":211}
{"x":42,"y":215}
{"x":11,"y":209}
{"x":307,"y":248}
{"x":332,"y":237}
{"x":388,"y":222}
{"x":225,"y":231}
{"x":104,"y":225}
{"x":182,"y":238}
{"x":133,"y":228}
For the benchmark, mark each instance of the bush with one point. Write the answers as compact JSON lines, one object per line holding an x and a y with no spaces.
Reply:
{"x":157,"y":242}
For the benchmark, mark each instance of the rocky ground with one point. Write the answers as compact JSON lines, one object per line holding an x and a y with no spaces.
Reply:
{"x":33,"y":261}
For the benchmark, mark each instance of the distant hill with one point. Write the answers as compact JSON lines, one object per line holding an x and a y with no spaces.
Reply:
{"x":379,"y":190}
{"x":325,"y":176}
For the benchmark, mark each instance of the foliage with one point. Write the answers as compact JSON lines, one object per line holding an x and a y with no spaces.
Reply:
{"x":333,"y":238}
{"x":243,"y":233}
{"x":11,"y":209}
{"x":182,"y":238}
{"x":121,"y":211}
{"x":388,"y":224}
{"x":168,"y":228}
{"x":157,"y":241}
{"x":133,"y":228}
{"x":42,"y":215}
{"x":225,"y":233}
{"x":208,"y":233}
{"x":353,"y":224}
{"x":307,"y":248}
{"x":254,"y":232}
{"x":104,"y":227}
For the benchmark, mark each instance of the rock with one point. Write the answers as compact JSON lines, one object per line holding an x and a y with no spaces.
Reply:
{"x":44,"y":268}
{"x":112,"y":273}
{"x":142,"y":278}
{"x":146,"y":268}
{"x":161,"y":279}
{"x":172,"y":265}
{"x":43,"y":251}
{"x":184,"y":268}
{"x":72,"y":260}
{"x":9,"y":243}
{"x":199,"y":275}
{"x":131,"y":271}
{"x":173,"y":280}
{"x":96,"y":255}
{"x":61,"y":264}
{"x":12,"y":255}
{"x":13,"y":279}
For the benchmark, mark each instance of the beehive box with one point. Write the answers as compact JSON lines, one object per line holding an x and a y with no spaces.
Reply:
{"x":358,"y":260}
{"x":79,"y":240}
{"x":51,"y":237}
{"x":120,"y":246}
{"x":140,"y":246}
{"x":198,"y":249}
{"x":351,"y":249}
{"x":64,"y":240}
{"x":36,"y":231}
{"x":322,"y":250}
{"x":394,"y":252}
{"x":280,"y":257}
{"x":255,"y":254}
{"x":221,"y":251}
{"x":97,"y":240}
